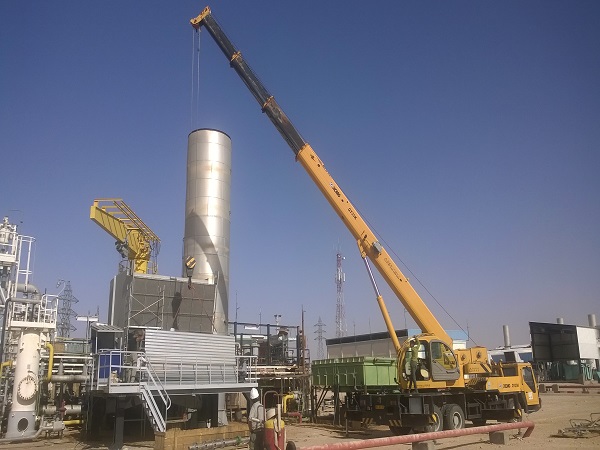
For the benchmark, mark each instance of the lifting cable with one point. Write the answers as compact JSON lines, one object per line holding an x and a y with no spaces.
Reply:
{"x":419,"y":281}
{"x":195,"y":77}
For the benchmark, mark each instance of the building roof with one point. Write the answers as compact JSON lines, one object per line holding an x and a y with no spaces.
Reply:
{"x":457,"y":335}
{"x":104,"y":328}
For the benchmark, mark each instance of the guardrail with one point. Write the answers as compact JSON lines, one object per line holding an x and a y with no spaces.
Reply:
{"x":117,"y":367}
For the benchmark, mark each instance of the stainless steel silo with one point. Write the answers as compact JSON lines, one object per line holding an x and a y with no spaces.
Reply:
{"x":207,"y":215}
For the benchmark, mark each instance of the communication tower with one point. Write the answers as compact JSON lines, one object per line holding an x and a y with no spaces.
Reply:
{"x":340,"y":309}
{"x":320,"y":338}
{"x":66,"y":300}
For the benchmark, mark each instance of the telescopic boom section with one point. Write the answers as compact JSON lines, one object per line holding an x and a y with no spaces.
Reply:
{"x":367,"y":242}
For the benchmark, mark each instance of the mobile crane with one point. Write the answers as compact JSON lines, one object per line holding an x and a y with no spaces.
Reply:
{"x":453,"y":385}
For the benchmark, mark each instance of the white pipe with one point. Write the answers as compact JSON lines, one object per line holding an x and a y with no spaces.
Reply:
{"x":28,"y":289}
{"x":69,"y":410}
{"x":30,"y":438}
{"x":68,"y":378}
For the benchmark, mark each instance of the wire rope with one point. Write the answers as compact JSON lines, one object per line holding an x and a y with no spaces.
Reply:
{"x":195,"y":80}
{"x":391,"y":250}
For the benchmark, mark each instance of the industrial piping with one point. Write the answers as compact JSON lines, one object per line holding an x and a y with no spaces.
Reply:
{"x":50,"y":348}
{"x":219,"y":444}
{"x":58,"y":427}
{"x":382,"y":442}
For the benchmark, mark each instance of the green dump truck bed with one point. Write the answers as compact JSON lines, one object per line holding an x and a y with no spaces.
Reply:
{"x":360,"y":372}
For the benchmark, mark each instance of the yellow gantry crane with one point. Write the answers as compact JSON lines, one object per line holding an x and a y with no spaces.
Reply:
{"x":136,"y":242}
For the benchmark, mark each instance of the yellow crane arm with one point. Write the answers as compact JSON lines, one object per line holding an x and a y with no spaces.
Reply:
{"x":368,"y":244}
{"x":116,"y":218}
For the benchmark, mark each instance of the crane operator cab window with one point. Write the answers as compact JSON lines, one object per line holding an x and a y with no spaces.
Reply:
{"x":443,"y":362}
{"x":422,"y":372}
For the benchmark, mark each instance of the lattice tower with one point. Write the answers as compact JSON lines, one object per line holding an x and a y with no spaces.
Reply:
{"x":340,"y":309}
{"x":320,"y":338}
{"x":66,"y":300}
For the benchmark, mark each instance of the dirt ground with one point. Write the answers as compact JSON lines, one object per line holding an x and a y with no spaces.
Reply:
{"x":556,"y":413}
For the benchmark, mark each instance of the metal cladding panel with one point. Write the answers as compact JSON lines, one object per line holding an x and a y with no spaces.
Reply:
{"x":143,"y":300}
{"x":587,"y":339}
{"x":173,"y":346}
{"x":118,"y":306}
{"x":207,"y":214}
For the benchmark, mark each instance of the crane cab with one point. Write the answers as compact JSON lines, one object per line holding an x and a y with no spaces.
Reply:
{"x":437,"y":368}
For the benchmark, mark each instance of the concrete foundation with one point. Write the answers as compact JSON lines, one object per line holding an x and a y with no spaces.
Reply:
{"x":426,"y":445}
{"x":499,"y":437}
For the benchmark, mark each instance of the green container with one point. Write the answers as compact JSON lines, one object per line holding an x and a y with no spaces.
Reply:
{"x":360,"y":372}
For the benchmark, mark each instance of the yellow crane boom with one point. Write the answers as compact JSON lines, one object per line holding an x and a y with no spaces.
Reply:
{"x":459,"y":384}
{"x":368,"y":244}
{"x":135,"y":241}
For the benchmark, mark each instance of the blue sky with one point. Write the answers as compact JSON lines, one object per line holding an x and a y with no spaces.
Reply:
{"x":466,"y":133}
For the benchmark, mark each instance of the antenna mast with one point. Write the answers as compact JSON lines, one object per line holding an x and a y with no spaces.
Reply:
{"x":320,"y":338}
{"x":340,"y":309}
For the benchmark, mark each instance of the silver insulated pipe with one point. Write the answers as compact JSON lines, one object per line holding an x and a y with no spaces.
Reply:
{"x":506,"y":336}
{"x":207,"y":215}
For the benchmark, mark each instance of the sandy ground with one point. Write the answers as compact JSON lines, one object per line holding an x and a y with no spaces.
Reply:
{"x":556,"y":413}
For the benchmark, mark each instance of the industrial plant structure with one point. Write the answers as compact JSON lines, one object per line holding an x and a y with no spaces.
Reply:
{"x":168,"y":356}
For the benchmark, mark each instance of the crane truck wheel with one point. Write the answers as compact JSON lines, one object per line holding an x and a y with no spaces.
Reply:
{"x":518,"y":416}
{"x":454,"y":417}
{"x":438,"y":418}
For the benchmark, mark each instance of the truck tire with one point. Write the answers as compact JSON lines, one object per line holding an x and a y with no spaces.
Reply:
{"x":439,"y":421}
{"x":454,"y":417}
{"x":518,"y":416}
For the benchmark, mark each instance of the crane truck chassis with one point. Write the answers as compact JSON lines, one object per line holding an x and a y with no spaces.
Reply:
{"x":453,"y":385}
{"x":425,"y":410}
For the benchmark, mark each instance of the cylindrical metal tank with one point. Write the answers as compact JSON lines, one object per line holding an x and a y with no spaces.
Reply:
{"x":207,"y":214}
{"x":506,"y":333}
{"x":21,"y":419}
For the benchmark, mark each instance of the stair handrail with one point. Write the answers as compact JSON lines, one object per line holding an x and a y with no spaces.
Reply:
{"x":152,"y":409}
{"x":153,"y":376}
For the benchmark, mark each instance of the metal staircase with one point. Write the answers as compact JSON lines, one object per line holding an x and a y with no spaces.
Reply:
{"x":152,"y":410}
{"x":147,"y":389}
